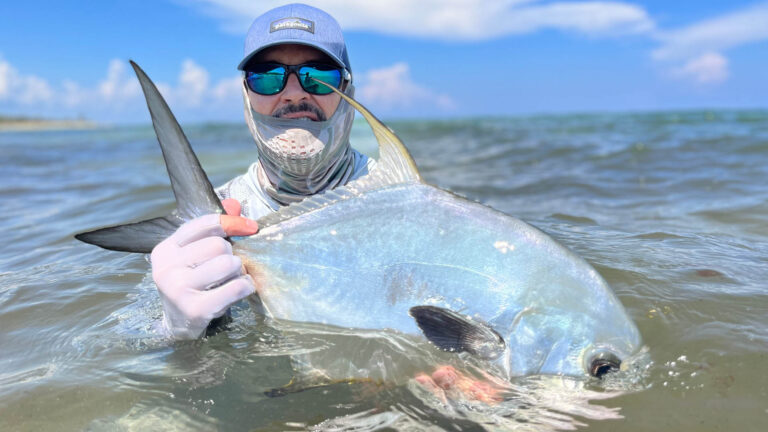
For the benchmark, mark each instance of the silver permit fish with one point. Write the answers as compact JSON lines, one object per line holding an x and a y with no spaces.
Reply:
{"x":388,"y":251}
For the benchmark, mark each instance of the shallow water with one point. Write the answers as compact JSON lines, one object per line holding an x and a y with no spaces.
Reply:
{"x":671,"y":208}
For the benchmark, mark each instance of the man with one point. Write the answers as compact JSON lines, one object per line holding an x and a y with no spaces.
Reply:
{"x":301,"y":129}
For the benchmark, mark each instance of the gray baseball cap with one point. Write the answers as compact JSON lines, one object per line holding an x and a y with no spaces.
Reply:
{"x":296,"y":24}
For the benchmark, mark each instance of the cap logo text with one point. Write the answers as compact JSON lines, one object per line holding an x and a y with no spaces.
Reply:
{"x":292,"y":23}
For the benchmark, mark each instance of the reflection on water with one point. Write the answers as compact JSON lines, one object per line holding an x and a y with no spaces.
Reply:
{"x":671,"y":208}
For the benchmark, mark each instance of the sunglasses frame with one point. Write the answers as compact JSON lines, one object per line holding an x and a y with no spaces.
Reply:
{"x":345,"y":79}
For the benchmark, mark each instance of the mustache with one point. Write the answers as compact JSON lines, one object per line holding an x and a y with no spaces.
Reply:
{"x":300,"y":107}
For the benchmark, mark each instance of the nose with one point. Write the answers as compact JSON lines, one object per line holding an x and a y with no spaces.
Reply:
{"x":293,"y":92}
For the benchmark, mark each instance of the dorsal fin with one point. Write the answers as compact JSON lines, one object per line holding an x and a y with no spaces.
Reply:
{"x":194,"y":193}
{"x":453,"y":332}
{"x":394,"y":166}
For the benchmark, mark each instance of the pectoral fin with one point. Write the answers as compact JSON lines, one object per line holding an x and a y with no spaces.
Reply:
{"x":453,"y":332}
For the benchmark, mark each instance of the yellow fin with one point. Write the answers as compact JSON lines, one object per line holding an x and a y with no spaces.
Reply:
{"x":394,"y":157}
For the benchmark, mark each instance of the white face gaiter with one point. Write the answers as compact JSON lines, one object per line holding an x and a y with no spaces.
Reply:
{"x":301,"y":157}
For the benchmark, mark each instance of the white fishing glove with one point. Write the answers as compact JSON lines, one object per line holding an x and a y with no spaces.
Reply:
{"x":197,"y":276}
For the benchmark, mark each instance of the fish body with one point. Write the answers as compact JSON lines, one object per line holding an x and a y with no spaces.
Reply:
{"x":364,"y":262}
{"x":388,"y":251}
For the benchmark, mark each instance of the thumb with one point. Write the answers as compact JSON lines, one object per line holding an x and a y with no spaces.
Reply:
{"x":238,"y":226}
{"x":232,"y":206}
{"x":232,"y":223}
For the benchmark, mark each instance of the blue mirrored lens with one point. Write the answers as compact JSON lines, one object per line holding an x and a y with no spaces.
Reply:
{"x":329,"y":75}
{"x":266,"y":82}
{"x":270,"y":78}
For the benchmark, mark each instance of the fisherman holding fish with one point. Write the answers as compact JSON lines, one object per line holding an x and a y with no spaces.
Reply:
{"x":509,"y":295}
{"x":301,"y":129}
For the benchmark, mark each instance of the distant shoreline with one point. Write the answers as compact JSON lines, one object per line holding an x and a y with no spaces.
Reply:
{"x":15,"y":124}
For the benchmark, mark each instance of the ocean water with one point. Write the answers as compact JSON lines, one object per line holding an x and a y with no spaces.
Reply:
{"x":670,"y":207}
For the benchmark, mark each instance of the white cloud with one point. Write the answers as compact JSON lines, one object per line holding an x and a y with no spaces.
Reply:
{"x":715,"y":35}
{"x":697,"y":51}
{"x":119,"y":86}
{"x":708,"y":68}
{"x":598,"y":18}
{"x":22,"y":89}
{"x":118,"y":97}
{"x":392,"y":87}
{"x":195,"y":91}
{"x":227,"y":89}
{"x":116,"y":94}
{"x":5,"y":84}
{"x":451,"y":19}
{"x":193,"y":83}
{"x":72,"y":95}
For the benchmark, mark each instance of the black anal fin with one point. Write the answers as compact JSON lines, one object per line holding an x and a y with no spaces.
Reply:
{"x":453,"y":332}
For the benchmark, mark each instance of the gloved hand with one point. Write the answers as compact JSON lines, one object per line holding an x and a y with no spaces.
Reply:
{"x":196,"y":274}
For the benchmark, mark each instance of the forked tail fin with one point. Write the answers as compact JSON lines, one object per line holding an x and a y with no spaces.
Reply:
{"x":194,"y":193}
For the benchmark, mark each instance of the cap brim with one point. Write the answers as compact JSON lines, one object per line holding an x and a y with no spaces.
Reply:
{"x":290,"y":42}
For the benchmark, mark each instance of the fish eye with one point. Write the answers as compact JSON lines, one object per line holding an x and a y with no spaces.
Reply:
{"x":604,"y":363}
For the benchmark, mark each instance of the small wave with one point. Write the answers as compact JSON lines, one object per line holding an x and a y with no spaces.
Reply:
{"x":581,"y":220}
{"x":658,"y":235}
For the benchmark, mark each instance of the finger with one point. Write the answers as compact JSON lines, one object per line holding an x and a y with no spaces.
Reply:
{"x":198,"y":228}
{"x":426,"y":382}
{"x":430,"y":385}
{"x":495,"y":381}
{"x":446,"y":377}
{"x":483,"y":392}
{"x":238,"y":226}
{"x":232,"y":206}
{"x":223,"y":297}
{"x":213,"y":272}
{"x":200,"y":251}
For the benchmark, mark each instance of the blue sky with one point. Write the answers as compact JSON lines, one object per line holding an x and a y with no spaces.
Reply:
{"x":426,"y":58}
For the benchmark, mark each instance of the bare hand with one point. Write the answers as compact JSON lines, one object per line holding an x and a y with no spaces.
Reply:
{"x":447,"y":383}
